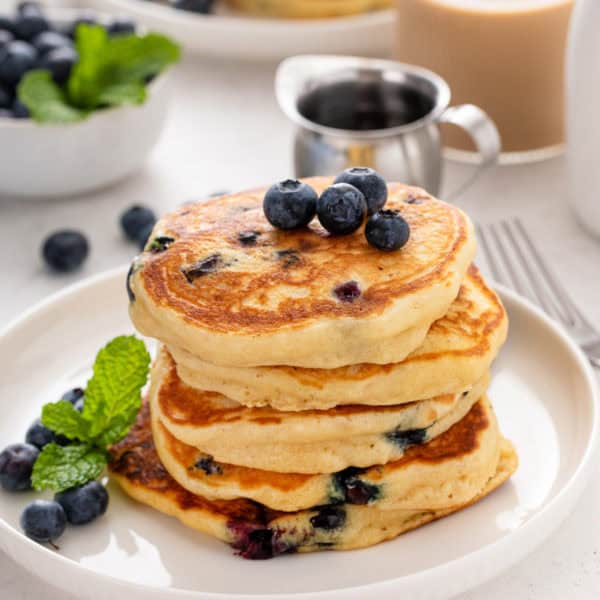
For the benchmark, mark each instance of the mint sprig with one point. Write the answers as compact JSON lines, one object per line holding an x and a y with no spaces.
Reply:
{"x":111,"y":71}
{"x":112,"y":402}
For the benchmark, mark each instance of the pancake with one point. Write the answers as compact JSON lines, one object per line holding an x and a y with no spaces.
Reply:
{"x":457,"y":352}
{"x":258,"y":532}
{"x":449,"y":469}
{"x":216,"y":279}
{"x":307,"y":9}
{"x":314,"y":441}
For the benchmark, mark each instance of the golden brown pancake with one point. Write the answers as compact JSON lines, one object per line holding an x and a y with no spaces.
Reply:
{"x":447,"y":470}
{"x":312,"y":441}
{"x":258,"y":532}
{"x":457,"y":352}
{"x":216,"y":279}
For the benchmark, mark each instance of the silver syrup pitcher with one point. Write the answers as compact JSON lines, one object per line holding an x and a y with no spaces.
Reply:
{"x":382,"y":114}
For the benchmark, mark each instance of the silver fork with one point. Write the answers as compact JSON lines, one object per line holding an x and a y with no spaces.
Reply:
{"x":514,"y":261}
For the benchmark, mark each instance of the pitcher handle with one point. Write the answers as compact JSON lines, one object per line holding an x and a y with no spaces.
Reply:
{"x":482,"y":131}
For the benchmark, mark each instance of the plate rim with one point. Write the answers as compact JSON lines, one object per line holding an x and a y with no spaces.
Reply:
{"x":525,"y":538}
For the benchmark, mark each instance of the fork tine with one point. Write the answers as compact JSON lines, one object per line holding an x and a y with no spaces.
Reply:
{"x":533,"y":276}
{"x":517,"y":281}
{"x":490,"y":258}
{"x":569,"y":310}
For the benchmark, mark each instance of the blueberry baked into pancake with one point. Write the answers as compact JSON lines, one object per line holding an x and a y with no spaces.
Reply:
{"x":323,"y":364}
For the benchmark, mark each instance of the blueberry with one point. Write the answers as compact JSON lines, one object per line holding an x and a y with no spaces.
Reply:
{"x":50,"y":40}
{"x":328,"y":518}
{"x":29,"y":24}
{"x":28,"y":6}
{"x":65,"y":250}
{"x":160,"y":244}
{"x":144,"y":235}
{"x":7,"y":23}
{"x":19,"y":110}
{"x":84,"y":19}
{"x":16,"y":464}
{"x":120,"y":26}
{"x":209,"y":466}
{"x":43,"y":520}
{"x":6,"y":97}
{"x":130,"y":293}
{"x":16,"y":58}
{"x":203,"y":267}
{"x":85,"y":503}
{"x":73,"y":395}
{"x":341,"y":208}
{"x":5,"y":37}
{"x":347,"y":292}
{"x":387,"y":230}
{"x":198,"y":6}
{"x":407,"y":437}
{"x":369,"y":182}
{"x":135,"y":222}
{"x":60,"y":62}
{"x":38,"y":435}
{"x":289,"y":204}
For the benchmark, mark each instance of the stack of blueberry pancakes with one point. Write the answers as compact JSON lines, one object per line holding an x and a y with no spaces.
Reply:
{"x":311,"y":391}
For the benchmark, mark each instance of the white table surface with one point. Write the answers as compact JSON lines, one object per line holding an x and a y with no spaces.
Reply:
{"x":226,"y":132}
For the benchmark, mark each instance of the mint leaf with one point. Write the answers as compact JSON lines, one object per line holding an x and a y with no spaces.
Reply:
{"x":61,"y":417}
{"x":135,"y":58}
{"x":89,"y":75}
{"x":123,"y":93}
{"x":62,"y":467}
{"x":45,"y":100}
{"x":113,"y":394}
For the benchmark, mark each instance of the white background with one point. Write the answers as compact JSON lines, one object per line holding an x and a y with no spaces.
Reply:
{"x":226,"y":132}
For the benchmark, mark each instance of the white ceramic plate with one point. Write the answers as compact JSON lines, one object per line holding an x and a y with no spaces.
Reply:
{"x":231,"y":34}
{"x":544,"y":394}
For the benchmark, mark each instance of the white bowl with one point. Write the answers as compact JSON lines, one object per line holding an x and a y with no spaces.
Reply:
{"x":71,"y":158}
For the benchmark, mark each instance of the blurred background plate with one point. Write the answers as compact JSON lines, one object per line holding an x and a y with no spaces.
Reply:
{"x":229,"y":34}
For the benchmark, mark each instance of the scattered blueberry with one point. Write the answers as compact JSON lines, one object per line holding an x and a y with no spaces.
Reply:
{"x":135,"y":222}
{"x":120,"y":26}
{"x":43,"y":521}
{"x":16,"y":464}
{"x":7,"y":23}
{"x":29,"y":6}
{"x":6,"y":98}
{"x":341,"y":208}
{"x":73,"y":395}
{"x":65,"y":250}
{"x":39,"y":435}
{"x":387,"y":230}
{"x":289,"y":204}
{"x":354,"y":489}
{"x":289,"y":257}
{"x":369,"y":182}
{"x":60,"y":62}
{"x":198,"y":6}
{"x":19,"y":110}
{"x":50,"y":40}
{"x":5,"y":37}
{"x":16,"y":58}
{"x":413,"y":200}
{"x":328,"y":518}
{"x":85,"y":503}
{"x":347,"y":292}
{"x":84,"y":19}
{"x":30,"y":23}
{"x":144,"y":235}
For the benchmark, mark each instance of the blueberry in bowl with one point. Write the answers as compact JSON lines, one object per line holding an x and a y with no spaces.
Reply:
{"x":61,"y":110}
